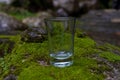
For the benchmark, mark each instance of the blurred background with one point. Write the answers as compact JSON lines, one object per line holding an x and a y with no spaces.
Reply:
{"x":99,"y":19}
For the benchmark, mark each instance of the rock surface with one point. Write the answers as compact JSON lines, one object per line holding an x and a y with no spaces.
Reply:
{"x":6,"y":1}
{"x":102,"y":25}
{"x":37,"y":30}
{"x":9,"y":24}
{"x":11,"y":77}
{"x":35,"y":34}
{"x":37,"y":21}
{"x":113,"y":73}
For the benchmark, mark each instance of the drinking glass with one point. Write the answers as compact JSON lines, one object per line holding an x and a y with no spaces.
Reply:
{"x":61,"y":40}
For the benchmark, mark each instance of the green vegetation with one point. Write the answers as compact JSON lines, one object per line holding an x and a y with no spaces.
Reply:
{"x":110,"y":56}
{"x":110,"y":52}
{"x":18,"y":13}
{"x":21,"y":14}
{"x":24,"y":60}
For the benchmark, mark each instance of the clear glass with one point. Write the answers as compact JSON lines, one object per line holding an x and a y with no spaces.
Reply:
{"x":61,"y":40}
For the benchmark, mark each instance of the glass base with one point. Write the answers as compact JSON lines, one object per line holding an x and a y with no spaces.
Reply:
{"x":61,"y":55}
{"x":62,"y":64}
{"x":61,"y":59}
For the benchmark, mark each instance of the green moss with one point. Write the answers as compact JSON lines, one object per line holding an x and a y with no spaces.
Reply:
{"x":21,"y":14}
{"x":110,"y":56}
{"x":25,"y":56}
{"x":35,"y":72}
{"x":84,"y":42}
{"x":112,"y":48}
{"x":18,"y":13}
{"x":110,"y":52}
{"x":50,"y":73}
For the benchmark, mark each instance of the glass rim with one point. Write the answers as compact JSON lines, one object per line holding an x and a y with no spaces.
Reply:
{"x":59,"y":18}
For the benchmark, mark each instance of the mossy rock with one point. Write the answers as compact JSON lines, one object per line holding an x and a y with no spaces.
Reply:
{"x":34,"y":34}
{"x":25,"y":61}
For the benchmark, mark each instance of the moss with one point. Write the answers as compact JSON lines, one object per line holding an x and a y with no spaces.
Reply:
{"x":51,"y":73}
{"x":110,"y":56}
{"x":25,"y":56}
{"x":84,"y":42}
{"x":110,"y":52}
{"x":35,"y":72}
{"x":21,"y":14}
{"x":18,"y":13}
{"x":112,"y":48}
